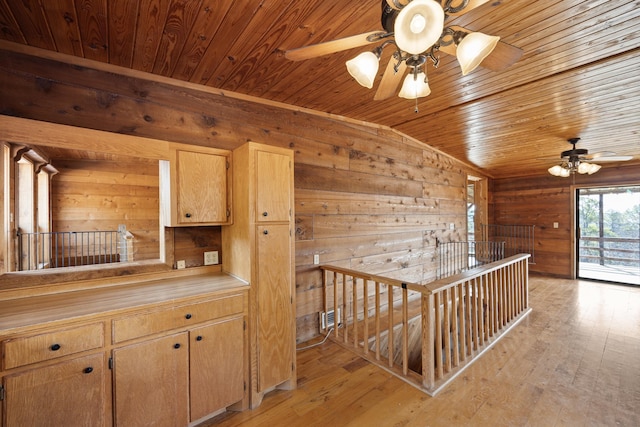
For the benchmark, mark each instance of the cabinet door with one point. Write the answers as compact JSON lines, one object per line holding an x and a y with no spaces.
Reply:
{"x":71,"y":393}
{"x":273,"y":195}
{"x":151,"y":382}
{"x":202,"y":187}
{"x":274,"y":312}
{"x":216,"y":366}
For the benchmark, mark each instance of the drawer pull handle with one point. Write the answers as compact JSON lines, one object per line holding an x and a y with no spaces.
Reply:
{"x":188,"y":215}
{"x":55,"y":347}
{"x":199,"y":338}
{"x":265,"y":214}
{"x":176,"y":345}
{"x":265,"y":232}
{"x":88,"y":370}
{"x":188,"y":316}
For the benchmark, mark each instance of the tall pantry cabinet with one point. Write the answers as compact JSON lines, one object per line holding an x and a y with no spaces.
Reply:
{"x":259,"y":248}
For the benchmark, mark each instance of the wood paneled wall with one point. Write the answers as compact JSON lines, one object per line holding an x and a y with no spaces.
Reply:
{"x":97,"y":195}
{"x":366,"y":197}
{"x":543,"y":200}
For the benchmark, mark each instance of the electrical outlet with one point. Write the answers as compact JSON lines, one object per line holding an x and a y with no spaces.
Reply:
{"x":181,"y":264}
{"x":316,"y":259}
{"x":452,"y":226}
{"x":555,"y":225}
{"x":211,"y":258}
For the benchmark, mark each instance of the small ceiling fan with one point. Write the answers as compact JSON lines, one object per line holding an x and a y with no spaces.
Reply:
{"x":418,"y":31}
{"x":579,"y":160}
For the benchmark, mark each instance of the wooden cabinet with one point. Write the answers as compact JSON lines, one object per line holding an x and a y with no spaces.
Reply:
{"x":162,"y":352}
{"x":70,"y":393}
{"x":273,"y":305}
{"x":217,"y":369}
{"x":151,"y":382}
{"x":190,"y":374}
{"x":260,"y":249}
{"x":195,"y":187}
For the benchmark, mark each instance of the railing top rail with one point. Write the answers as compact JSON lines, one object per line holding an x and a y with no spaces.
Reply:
{"x":374,"y":278}
{"x":435,"y":286}
{"x":610,"y":239}
{"x":67,"y":232}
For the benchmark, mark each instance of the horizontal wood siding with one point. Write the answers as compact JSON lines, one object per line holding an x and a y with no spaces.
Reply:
{"x":543,"y":200}
{"x":366,"y":197}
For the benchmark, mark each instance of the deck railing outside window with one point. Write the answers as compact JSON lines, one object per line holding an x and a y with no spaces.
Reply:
{"x":72,"y":248}
{"x":610,"y":251}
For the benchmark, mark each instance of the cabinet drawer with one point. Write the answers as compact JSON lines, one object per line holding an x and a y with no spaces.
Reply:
{"x":176,"y":317}
{"x":36,"y":348}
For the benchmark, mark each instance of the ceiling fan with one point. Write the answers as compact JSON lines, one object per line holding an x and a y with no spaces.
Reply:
{"x":417,"y":30}
{"x":579,"y":160}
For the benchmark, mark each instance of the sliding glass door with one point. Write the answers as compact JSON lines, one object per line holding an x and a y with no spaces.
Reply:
{"x":608,"y":243}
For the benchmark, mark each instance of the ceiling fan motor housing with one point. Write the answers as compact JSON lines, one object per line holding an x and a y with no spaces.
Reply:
{"x":389,"y":16}
{"x":575,"y":152}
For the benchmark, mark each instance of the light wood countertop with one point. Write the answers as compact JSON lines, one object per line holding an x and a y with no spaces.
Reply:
{"x":45,"y":310}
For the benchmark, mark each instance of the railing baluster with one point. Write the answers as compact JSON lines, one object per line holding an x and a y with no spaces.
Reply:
{"x":455,"y":333}
{"x":354,"y":304}
{"x":438,"y":333}
{"x":462,"y":319}
{"x":365,"y":310}
{"x":336,"y":306}
{"x":377,"y":320}
{"x":345,"y":333}
{"x":447,"y":330}
{"x":405,"y":332}
{"x":390,"y":325}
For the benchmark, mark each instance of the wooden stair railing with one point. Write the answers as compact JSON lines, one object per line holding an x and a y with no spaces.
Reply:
{"x":427,"y":334}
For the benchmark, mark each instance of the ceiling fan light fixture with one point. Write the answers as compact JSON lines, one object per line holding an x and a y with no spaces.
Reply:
{"x":418,"y":26}
{"x":415,"y":86}
{"x":558,"y":170}
{"x":473,"y":49}
{"x":588,"y":168}
{"x":364,"y":68}
{"x":593,"y":168}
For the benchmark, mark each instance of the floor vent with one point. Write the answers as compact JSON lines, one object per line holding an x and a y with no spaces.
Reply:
{"x":329,"y":319}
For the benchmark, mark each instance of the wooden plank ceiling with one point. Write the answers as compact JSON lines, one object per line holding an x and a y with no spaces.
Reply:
{"x":578,"y":77}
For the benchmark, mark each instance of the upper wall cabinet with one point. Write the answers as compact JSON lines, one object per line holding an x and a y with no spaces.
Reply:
{"x":195,"y":187}
{"x":273,"y":195}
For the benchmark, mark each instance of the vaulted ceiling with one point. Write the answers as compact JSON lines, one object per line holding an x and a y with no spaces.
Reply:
{"x":579,"y":75}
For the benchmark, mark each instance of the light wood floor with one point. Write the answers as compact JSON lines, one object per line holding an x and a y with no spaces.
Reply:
{"x":575,"y":361}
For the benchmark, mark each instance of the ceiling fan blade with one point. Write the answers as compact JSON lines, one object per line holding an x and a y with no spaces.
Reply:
{"x":333,"y":46}
{"x":503,"y":56}
{"x":612,"y":159}
{"x":472,"y":5}
{"x":594,"y":156}
{"x":390,"y":80}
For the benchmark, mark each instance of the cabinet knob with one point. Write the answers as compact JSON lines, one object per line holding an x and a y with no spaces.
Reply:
{"x":55,"y":347}
{"x":88,"y":370}
{"x":187,"y":316}
{"x":199,"y":338}
{"x":265,"y":232}
{"x":176,"y":345}
{"x":188,"y":215}
{"x":265,"y":214}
